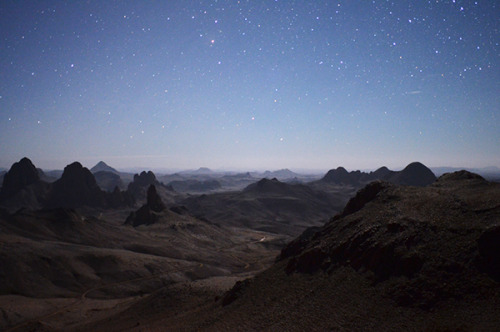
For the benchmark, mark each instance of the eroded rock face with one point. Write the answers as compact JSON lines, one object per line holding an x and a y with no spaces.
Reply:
{"x":154,"y":200}
{"x":148,"y":213}
{"x":142,"y":181}
{"x":76,"y":187}
{"x":20,"y":175}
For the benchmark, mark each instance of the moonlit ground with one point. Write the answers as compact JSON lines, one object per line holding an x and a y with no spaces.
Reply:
{"x":250,"y":84}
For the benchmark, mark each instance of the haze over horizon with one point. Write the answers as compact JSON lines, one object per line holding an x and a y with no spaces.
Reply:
{"x":250,"y":84}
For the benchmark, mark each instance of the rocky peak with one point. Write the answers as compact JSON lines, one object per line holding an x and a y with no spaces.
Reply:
{"x":154,"y":200}
{"x":415,"y":174}
{"x":20,"y":175}
{"x":76,"y":187}
{"x":340,"y":175}
{"x":76,"y":174}
{"x":102,"y":166}
{"x":144,"y":179}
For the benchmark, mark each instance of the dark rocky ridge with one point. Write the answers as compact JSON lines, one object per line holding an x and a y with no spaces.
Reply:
{"x":423,"y":252}
{"x":415,"y":174}
{"x":137,"y":188}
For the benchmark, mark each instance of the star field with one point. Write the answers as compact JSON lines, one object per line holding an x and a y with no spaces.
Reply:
{"x":250,"y":84}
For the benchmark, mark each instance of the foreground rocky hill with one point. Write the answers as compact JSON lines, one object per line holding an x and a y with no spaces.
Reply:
{"x":431,"y":255}
{"x":397,"y":258}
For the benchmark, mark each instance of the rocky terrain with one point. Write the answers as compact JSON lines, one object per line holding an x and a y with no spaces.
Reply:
{"x":405,"y":252}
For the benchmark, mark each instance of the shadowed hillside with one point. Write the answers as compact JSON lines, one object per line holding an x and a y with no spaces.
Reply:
{"x":396,"y":258}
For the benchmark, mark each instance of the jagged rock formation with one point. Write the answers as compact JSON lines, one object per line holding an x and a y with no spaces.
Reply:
{"x":119,"y":198}
{"x":77,"y":187}
{"x":20,"y":175}
{"x":137,"y":188}
{"x":22,"y":186}
{"x":148,"y":213}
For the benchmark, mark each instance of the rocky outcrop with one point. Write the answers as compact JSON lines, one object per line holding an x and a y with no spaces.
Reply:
{"x":154,"y":201}
{"x":148,"y":213}
{"x":20,"y":175}
{"x":119,"y":198}
{"x":77,"y":187}
{"x":137,"y":188}
{"x":421,"y":238}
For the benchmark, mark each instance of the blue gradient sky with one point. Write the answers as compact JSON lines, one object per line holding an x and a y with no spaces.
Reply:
{"x":250,"y":84}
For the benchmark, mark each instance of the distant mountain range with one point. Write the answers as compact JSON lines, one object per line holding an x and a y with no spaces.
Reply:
{"x":415,"y":174}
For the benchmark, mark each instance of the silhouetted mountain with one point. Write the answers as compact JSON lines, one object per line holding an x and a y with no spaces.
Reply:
{"x":22,"y":187}
{"x":381,"y":173}
{"x":20,"y":175}
{"x":148,"y":213}
{"x":154,"y":200}
{"x":144,"y":179}
{"x":108,"y":180}
{"x":103,"y":167}
{"x":77,"y":187}
{"x":415,"y":174}
{"x":141,"y":181}
{"x":420,"y":252}
{"x":341,"y":176}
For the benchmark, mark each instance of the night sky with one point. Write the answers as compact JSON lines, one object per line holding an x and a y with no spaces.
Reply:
{"x":250,"y":84}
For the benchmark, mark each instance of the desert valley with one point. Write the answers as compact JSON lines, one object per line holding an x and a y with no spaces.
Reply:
{"x":100,"y":249}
